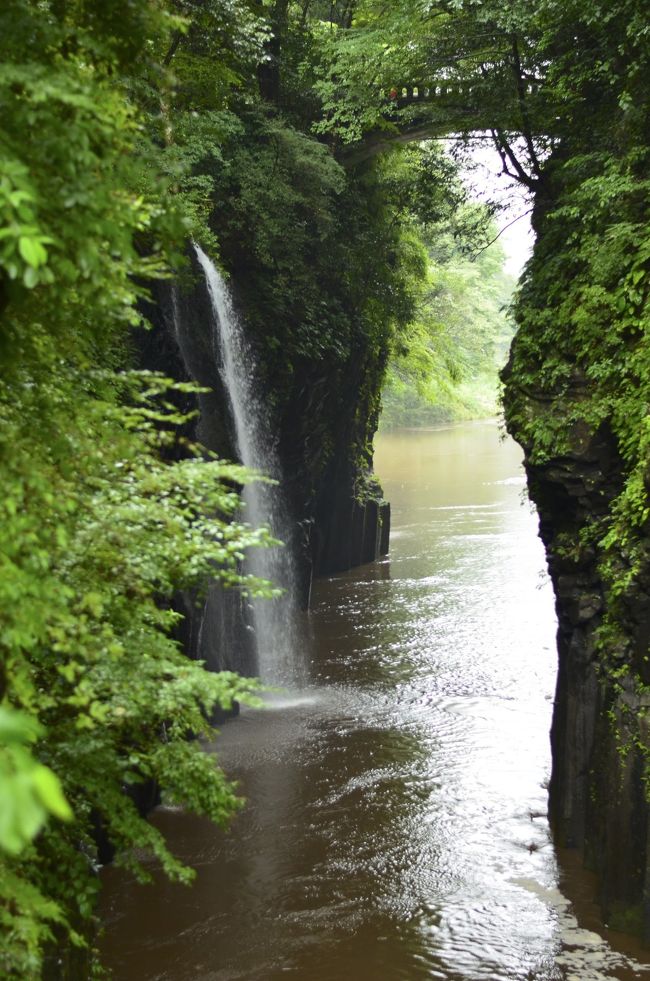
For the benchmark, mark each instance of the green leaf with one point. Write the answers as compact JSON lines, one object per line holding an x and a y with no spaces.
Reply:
{"x":30,"y":277}
{"x":17,"y":727}
{"x":32,"y":251}
{"x":48,"y":788}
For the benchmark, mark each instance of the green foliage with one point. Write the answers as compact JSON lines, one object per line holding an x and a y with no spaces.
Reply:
{"x":29,"y":791}
{"x":212,"y":59}
{"x":354,"y":81}
{"x":98,"y":535}
{"x":69,"y":203}
{"x":445,"y":361}
{"x":100,"y":529}
{"x":474,"y":55}
{"x":322,"y":260}
{"x":592,"y":264}
{"x":581,"y":350}
{"x":217,"y":47}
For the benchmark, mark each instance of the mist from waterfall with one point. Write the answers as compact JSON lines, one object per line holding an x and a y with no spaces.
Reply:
{"x":273,"y":621}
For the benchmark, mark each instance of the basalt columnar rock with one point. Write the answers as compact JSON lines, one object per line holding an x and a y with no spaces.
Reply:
{"x":597,"y":800}
{"x":314,"y":268}
{"x":179,"y":344}
{"x":574,"y":397}
{"x":323,"y":422}
{"x":325,"y":445}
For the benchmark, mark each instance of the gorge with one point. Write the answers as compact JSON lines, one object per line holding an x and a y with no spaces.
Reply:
{"x":268,"y":135}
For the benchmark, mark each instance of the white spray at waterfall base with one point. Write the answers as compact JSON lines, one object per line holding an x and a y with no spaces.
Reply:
{"x":274,"y":621}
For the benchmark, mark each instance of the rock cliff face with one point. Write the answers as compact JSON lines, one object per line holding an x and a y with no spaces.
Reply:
{"x":325,"y":445}
{"x":569,"y":423}
{"x":597,"y":792}
{"x":324,"y":428}
{"x":179,"y":344}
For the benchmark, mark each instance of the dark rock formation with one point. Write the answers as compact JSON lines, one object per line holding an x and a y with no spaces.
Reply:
{"x":354,"y":533}
{"x":326,"y":429}
{"x":180,"y":344}
{"x":597,"y":793}
{"x":339,"y":515}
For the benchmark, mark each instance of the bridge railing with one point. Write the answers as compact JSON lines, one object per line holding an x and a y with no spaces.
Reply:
{"x":405,"y":94}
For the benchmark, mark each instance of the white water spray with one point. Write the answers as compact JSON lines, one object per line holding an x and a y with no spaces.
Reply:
{"x":274,"y":621}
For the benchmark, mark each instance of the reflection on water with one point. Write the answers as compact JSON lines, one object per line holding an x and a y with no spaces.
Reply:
{"x":396,"y":821}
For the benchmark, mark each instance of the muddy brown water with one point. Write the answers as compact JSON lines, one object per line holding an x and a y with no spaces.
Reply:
{"x":395,"y":826}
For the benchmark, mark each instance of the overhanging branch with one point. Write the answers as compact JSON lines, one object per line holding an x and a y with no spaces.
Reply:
{"x":475,"y":255}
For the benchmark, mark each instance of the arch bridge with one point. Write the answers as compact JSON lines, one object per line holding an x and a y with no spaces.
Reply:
{"x":438,"y":109}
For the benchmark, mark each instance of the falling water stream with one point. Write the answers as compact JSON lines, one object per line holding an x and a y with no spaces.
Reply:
{"x":395,"y":828}
{"x":275,"y":622}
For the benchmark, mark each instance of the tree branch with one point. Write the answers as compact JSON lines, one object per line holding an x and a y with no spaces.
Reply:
{"x":475,"y":256}
{"x":173,"y":47}
{"x":506,"y":152}
{"x":523,"y":107}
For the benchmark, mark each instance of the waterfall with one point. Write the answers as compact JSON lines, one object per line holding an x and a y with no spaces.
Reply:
{"x":274,"y":621}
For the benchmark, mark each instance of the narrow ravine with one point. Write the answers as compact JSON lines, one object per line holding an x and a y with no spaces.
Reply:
{"x":395,"y":825}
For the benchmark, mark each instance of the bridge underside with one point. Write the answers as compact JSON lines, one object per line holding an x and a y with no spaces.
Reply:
{"x":415,"y":113}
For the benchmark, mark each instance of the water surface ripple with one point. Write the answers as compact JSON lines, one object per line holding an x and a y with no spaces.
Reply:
{"x":395,"y":826}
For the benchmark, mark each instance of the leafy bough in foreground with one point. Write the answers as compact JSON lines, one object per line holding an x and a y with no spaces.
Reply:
{"x":97,"y":540}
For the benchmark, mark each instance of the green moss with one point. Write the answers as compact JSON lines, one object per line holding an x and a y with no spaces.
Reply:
{"x":626,"y":919}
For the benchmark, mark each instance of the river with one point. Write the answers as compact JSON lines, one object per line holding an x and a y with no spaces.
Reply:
{"x":395,"y":826}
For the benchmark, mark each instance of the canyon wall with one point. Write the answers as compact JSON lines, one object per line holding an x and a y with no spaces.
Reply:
{"x":323,"y":420}
{"x":576,"y":399}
